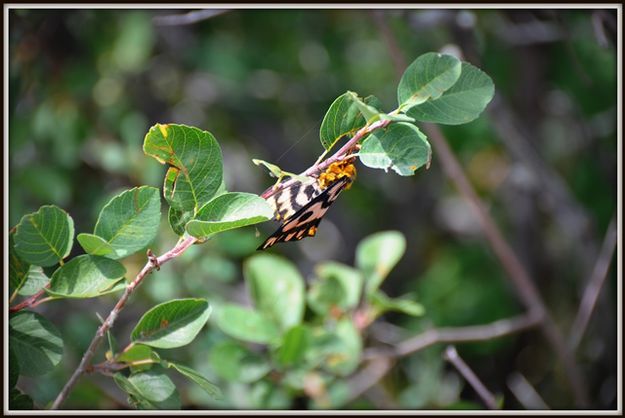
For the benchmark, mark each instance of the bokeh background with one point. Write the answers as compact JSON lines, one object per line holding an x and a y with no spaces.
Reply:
{"x":85,"y":86}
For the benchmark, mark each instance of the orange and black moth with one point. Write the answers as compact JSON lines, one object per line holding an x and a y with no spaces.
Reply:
{"x":301,"y":206}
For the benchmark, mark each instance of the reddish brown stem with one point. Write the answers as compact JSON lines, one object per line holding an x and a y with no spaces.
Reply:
{"x":152,"y":264}
{"x":30,"y":301}
{"x":339,"y":155}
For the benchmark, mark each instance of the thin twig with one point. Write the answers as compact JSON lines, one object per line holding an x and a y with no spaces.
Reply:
{"x":553,"y":190}
{"x":595,"y":284}
{"x":525,"y":392}
{"x":362,"y":381}
{"x":377,"y":368}
{"x":188,"y":18}
{"x":450,"y":335}
{"x":30,"y":301}
{"x":515,"y":271}
{"x":151,"y":264}
{"x":339,"y":155}
{"x":451,"y":355}
{"x":469,"y":333}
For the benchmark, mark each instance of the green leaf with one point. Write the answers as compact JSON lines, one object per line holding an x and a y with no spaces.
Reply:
{"x":139,"y":353}
{"x":429,"y":76}
{"x":36,"y":343}
{"x":268,"y":395}
{"x":172,"y":324}
{"x":401,"y":146}
{"x":235,"y":363}
{"x":127,"y":224}
{"x":336,"y":394}
{"x":95,"y":245}
{"x":178,"y":220}
{"x":195,"y":174}
{"x":18,"y":268}
{"x":44,"y":238}
{"x":344,"y":357}
{"x":151,"y":389}
{"x":35,"y":281}
{"x":86,"y":276}
{"x":196,"y":377}
{"x":377,"y":254}
{"x":14,"y":369}
{"x":246,"y":324}
{"x":24,"y":279}
{"x":462,"y":103}
{"x":295,"y":342}
{"x":229,"y":211}
{"x":344,"y":117}
{"x":349,"y":279}
{"x":370,"y":113}
{"x":322,"y":343}
{"x":276,"y":287}
{"x":326,"y":295}
{"x":382,"y":303}
{"x":19,"y":400}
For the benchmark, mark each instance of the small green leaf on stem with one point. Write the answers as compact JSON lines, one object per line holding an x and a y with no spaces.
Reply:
{"x":172,"y":324}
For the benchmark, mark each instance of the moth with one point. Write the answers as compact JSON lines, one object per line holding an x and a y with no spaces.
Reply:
{"x":302,"y":205}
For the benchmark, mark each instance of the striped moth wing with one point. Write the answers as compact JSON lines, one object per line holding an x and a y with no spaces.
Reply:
{"x":303,"y":222}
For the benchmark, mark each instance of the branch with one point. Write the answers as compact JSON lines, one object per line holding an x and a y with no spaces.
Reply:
{"x":369,"y":376}
{"x":525,"y":392}
{"x":595,"y":284}
{"x":188,"y":18}
{"x":509,"y":261}
{"x":381,"y":360}
{"x":468,"y":334}
{"x":31,"y":301}
{"x":451,"y":355}
{"x":152,"y":263}
{"x":339,"y":155}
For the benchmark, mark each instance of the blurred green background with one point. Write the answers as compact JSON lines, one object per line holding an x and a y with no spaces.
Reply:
{"x":85,"y":86}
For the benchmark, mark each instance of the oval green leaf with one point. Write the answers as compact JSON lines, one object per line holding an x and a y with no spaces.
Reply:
{"x":377,"y":254}
{"x":44,"y":238}
{"x":128,"y":223}
{"x":344,"y":357}
{"x":429,"y":76}
{"x":139,"y":357}
{"x":401,"y":147}
{"x":344,"y":117}
{"x":229,"y":211}
{"x":246,"y":324}
{"x":19,"y":401}
{"x":18,"y":268}
{"x":95,"y":245}
{"x":196,"y":170}
{"x":172,"y":324}
{"x":350,"y":280}
{"x":152,"y":389}
{"x":462,"y":103}
{"x":382,"y":303}
{"x":277,"y":288}
{"x":36,"y":280}
{"x":295,"y":343}
{"x":86,"y":276}
{"x":196,"y":377}
{"x":36,"y":343}
{"x":235,"y":363}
